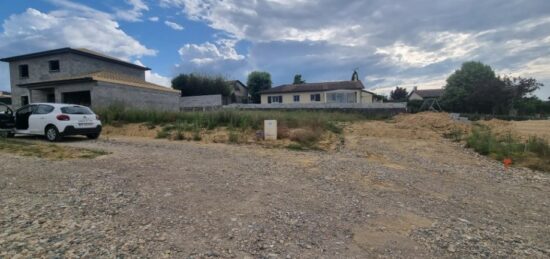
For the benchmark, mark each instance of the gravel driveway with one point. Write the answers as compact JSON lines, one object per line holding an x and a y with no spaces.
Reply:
{"x":373,"y":197}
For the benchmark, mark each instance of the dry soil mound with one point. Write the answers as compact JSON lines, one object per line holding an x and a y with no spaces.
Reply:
{"x":440,"y":122}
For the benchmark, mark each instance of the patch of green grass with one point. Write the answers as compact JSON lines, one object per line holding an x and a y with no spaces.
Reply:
{"x":48,"y":151}
{"x":534,"y":153}
{"x":456,"y":134}
{"x":163,"y":134}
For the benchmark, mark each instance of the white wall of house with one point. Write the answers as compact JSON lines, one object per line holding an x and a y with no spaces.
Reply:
{"x":325,"y":97}
{"x":415,"y":97}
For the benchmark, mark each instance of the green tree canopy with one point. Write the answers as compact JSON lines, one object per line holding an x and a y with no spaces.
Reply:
{"x":258,"y":81}
{"x":195,"y":84}
{"x":475,"y":88}
{"x":298,"y":80}
{"x":399,"y":94}
{"x":469,"y":89}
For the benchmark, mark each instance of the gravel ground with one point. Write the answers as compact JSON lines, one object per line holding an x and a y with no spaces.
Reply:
{"x":374,"y":197}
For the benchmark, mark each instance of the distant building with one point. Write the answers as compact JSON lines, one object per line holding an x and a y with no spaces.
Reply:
{"x":427,"y":94}
{"x":324,"y":92}
{"x":5,"y":97}
{"x":85,"y":77}
{"x":240,"y":92}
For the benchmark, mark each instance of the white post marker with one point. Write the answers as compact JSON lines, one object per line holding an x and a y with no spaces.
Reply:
{"x":270,"y":130}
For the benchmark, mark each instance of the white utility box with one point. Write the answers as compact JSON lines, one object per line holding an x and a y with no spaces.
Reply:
{"x":270,"y":130}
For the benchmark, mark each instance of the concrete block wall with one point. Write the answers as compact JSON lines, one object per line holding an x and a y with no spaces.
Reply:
{"x":105,"y":94}
{"x":70,"y":65}
{"x":202,"y":101}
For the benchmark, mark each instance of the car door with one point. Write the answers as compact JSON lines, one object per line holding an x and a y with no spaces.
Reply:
{"x":38,"y":119}
{"x":7,"y":120}
{"x":22,"y":117}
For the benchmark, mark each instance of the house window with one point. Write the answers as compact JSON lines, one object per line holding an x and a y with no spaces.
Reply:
{"x":274,"y":99}
{"x":316,"y":97}
{"x":54,"y":65}
{"x":24,"y":71}
{"x":296,"y":98}
{"x":341,"y":97}
{"x":24,"y":100}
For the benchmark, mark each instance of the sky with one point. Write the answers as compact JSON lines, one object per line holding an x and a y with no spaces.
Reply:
{"x":391,"y":43}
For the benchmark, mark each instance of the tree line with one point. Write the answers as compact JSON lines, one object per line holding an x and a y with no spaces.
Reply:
{"x":200,"y":84}
{"x":476,"y":88}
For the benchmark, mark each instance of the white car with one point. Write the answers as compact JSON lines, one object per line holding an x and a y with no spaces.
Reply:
{"x":53,"y":120}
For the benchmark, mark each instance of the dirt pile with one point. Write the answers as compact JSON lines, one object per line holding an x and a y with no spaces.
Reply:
{"x":438,"y":122}
{"x":500,"y":128}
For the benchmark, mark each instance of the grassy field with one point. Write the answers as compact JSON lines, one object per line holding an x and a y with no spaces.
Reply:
{"x":48,"y":151}
{"x":302,"y":127}
{"x":533,"y":152}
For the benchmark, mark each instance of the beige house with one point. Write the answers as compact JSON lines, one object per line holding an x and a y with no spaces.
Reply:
{"x":325,"y":92}
{"x":420,"y":95}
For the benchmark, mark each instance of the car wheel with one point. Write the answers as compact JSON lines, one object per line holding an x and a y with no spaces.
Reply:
{"x":52,"y":134}
{"x":93,"y":135}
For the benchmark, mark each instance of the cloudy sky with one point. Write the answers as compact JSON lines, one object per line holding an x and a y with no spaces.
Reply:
{"x":406,"y":43}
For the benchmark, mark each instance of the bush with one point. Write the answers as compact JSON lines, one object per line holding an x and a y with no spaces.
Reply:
{"x":234,"y":137}
{"x":305,"y":136}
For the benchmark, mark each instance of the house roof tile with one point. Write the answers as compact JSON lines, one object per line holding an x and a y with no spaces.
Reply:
{"x":79,"y":51}
{"x":429,"y":93}
{"x":108,"y":77}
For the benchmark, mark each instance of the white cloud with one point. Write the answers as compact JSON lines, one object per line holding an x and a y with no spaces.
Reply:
{"x":158,"y":79}
{"x":452,"y":46}
{"x":404,"y":42}
{"x":155,"y":78}
{"x":34,"y":30}
{"x":218,"y":58}
{"x":173,"y":25}
{"x":206,"y":53}
{"x":134,"y":14}
{"x":154,"y":19}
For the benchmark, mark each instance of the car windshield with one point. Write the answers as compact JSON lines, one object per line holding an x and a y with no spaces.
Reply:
{"x":76,"y":110}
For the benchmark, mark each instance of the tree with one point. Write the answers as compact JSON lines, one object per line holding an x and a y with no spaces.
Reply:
{"x":257,"y":82}
{"x":473,"y":88}
{"x":399,"y":94}
{"x":298,"y":80}
{"x":194,"y":84}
